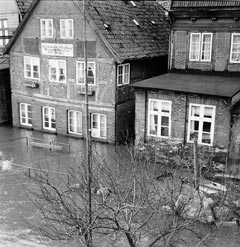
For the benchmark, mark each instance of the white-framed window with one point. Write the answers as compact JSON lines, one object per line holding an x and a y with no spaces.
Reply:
{"x":99,"y":125}
{"x":123,"y":74}
{"x":46,"y":26}
{"x":80,"y":70}
{"x":66,"y":28}
{"x":159,"y":118}
{"x":57,"y":70}
{"x":49,"y":118}
{"x":25,"y":114}
{"x":200,"y":47}
{"x":31,"y":67}
{"x":201,"y":123}
{"x":75,"y":122}
{"x":235,"y":48}
{"x":4,"y":39}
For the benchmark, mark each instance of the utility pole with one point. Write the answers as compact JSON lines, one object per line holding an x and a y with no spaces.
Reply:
{"x":88,"y":134}
{"x":196,"y":164}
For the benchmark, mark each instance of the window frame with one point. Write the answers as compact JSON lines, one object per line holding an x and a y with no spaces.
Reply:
{"x":160,"y":115}
{"x":23,"y":108}
{"x":75,"y":122}
{"x":201,"y":119}
{"x":231,"y":49}
{"x":32,"y":59}
{"x":51,"y":120}
{"x":200,"y":47}
{"x":98,"y":129}
{"x":4,"y":32}
{"x":57,"y":61}
{"x":78,"y":71}
{"x":123,"y":66}
{"x":42,"y":28}
{"x":66,"y":28}
{"x":201,"y":52}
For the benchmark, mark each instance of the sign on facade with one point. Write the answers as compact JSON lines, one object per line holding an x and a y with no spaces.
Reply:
{"x":50,"y":49}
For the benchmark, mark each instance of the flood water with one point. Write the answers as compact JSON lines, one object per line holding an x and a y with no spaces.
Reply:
{"x":15,"y":206}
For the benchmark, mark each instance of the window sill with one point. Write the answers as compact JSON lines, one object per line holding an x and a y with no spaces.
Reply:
{"x":99,"y":139}
{"x":22,"y":126}
{"x":49,"y":131}
{"x":74,"y":135}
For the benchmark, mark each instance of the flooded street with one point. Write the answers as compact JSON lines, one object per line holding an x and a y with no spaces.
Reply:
{"x":16,"y":146}
{"x":15,"y":206}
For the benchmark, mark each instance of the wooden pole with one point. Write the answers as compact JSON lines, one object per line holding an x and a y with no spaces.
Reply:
{"x":88,"y":134}
{"x":196,"y":165}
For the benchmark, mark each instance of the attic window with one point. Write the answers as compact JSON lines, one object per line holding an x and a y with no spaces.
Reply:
{"x":153,"y":22}
{"x":136,"y":23}
{"x":133,"y":3}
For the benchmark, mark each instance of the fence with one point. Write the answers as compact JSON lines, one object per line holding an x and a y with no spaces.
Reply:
{"x":52,"y":146}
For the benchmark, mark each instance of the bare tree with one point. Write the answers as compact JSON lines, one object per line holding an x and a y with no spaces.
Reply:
{"x":132,"y":197}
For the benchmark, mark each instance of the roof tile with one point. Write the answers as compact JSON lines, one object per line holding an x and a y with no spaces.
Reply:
{"x":129,"y":40}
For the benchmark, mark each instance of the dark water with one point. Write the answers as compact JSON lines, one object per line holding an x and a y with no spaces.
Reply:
{"x":14,"y":147}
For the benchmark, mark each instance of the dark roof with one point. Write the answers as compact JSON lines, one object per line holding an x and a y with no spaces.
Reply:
{"x":23,"y":6}
{"x":125,"y":39}
{"x":207,"y":84}
{"x":204,"y":3}
{"x":128,"y":40}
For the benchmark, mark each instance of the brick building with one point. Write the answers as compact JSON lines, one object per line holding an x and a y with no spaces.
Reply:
{"x":126,"y":42}
{"x":199,"y":96}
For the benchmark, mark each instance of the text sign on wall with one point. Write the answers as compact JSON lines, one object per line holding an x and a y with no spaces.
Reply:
{"x":52,"y":49}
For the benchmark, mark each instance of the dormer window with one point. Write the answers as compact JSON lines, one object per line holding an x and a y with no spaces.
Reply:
{"x":123,"y":74}
{"x":200,"y":47}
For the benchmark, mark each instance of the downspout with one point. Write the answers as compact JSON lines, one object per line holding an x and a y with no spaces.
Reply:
{"x":186,"y":118}
{"x":229,"y":137}
{"x":145,"y":117}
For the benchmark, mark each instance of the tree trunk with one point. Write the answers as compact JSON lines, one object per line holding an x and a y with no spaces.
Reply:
{"x":130,"y":239}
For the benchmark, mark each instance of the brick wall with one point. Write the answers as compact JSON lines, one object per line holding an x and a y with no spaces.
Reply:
{"x":179,"y":49}
{"x":62,"y":96}
{"x":180,"y":113}
{"x":220,"y":52}
{"x":61,"y":110}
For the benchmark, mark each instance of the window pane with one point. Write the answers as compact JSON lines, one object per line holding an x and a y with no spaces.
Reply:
{"x":165,"y":121}
{"x":208,"y":112}
{"x":153,"y":124}
{"x":164,"y":131}
{"x":206,"y":138}
{"x":206,"y":127}
{"x":166,"y":107}
{"x":236,"y":39}
{"x":195,"y":111}
{"x":194,"y":46}
{"x":154,"y":106}
{"x":193,"y":134}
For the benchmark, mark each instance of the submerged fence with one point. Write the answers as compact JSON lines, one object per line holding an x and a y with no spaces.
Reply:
{"x":42,"y":143}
